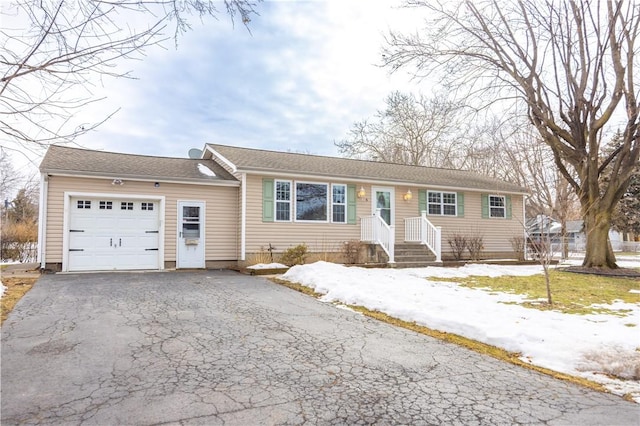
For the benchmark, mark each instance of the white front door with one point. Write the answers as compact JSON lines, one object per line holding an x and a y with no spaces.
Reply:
{"x":190,"y":253}
{"x":383,"y":199}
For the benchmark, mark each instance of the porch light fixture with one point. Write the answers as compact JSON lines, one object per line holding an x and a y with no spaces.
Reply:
{"x":361,"y":192}
{"x":117,"y":182}
{"x":408,"y":196}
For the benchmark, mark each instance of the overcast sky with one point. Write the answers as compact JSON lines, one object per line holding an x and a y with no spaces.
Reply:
{"x":307,"y":71}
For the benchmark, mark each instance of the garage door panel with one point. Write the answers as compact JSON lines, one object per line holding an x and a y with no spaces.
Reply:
{"x":124,"y":237}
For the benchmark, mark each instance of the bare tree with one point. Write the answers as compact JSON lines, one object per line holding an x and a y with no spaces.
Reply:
{"x":52,"y":52}
{"x":9,"y":178}
{"x":419,"y":131}
{"x":570,"y":63}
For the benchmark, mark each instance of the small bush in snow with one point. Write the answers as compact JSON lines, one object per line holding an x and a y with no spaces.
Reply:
{"x":458,"y":244}
{"x":475,"y":245}
{"x":294,"y":255}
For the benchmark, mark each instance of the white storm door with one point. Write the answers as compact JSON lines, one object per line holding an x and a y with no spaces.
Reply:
{"x":191,"y":240}
{"x":383,"y":199}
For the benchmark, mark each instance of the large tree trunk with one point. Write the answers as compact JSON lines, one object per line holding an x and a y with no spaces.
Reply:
{"x":599,"y":251}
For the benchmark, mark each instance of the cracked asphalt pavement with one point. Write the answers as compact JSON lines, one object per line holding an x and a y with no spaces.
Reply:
{"x":217,"y":347}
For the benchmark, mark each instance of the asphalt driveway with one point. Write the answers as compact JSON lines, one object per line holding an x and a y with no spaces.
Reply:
{"x":217,"y":347}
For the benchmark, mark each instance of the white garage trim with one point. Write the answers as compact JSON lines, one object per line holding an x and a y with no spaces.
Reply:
{"x":119,"y":196}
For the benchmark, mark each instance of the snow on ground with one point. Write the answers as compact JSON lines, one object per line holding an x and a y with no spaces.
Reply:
{"x":268,"y":266}
{"x":579,"y":345}
{"x":2,"y":289}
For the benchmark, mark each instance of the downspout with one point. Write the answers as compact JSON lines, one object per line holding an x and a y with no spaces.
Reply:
{"x":243,"y":218}
{"x":42,"y":221}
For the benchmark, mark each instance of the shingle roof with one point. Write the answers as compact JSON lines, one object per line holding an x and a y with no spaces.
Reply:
{"x":75,"y":161}
{"x":256,"y":160}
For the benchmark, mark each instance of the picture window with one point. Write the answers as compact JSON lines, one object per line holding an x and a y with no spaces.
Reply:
{"x":311,"y":201}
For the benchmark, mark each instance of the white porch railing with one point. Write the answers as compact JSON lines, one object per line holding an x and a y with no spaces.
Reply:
{"x":420,"y":230}
{"x":373,"y":229}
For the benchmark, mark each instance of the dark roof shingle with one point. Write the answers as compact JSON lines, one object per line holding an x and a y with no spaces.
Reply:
{"x":248,"y":159}
{"x":62,"y":159}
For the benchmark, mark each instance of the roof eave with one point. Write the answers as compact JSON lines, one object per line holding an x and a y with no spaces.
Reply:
{"x":141,"y":178}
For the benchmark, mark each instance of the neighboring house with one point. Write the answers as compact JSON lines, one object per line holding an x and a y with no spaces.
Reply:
{"x":545,"y":227}
{"x":110,"y":211}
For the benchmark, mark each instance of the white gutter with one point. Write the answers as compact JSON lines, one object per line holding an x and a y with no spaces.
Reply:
{"x":243,"y":218}
{"x":42,"y":220}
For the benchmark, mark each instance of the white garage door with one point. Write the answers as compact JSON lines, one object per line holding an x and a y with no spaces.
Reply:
{"x":113,"y":234}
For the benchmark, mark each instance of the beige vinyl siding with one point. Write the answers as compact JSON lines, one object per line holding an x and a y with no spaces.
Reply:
{"x":221,"y":208}
{"x":319,"y":237}
{"x":496,"y":232}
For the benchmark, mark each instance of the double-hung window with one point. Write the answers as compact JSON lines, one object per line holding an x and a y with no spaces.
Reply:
{"x":311,"y":201}
{"x":283,"y":200}
{"x":441,"y":203}
{"x":339,"y":203}
{"x":497,"y":206}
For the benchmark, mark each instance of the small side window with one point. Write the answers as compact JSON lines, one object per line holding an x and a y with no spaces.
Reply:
{"x":106,"y":205}
{"x":147,"y":206}
{"x":126,"y":206}
{"x":83,"y":204}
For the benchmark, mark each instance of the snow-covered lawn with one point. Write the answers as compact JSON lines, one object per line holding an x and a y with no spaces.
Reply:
{"x":579,"y":345}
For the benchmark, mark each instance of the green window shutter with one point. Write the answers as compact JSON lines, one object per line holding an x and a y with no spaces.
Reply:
{"x":422,"y":201}
{"x":507,"y":202}
{"x":268,"y":208}
{"x":352,"y":217}
{"x":460,"y":199}
{"x":485,"y":206}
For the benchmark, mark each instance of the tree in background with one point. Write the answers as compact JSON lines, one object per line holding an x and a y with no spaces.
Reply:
{"x":9,"y":179}
{"x":19,"y":230}
{"x":56,"y":50}
{"x":570,"y":65}
{"x":419,"y":131}
{"x":626,"y":216}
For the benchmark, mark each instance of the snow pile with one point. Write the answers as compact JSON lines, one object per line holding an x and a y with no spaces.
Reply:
{"x":561,"y":342}
{"x":268,"y":266}
{"x":2,"y":289}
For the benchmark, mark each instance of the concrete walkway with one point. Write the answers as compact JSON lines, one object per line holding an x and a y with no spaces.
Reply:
{"x":213,"y":348}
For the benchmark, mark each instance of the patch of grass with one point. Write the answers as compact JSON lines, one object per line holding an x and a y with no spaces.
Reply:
{"x":571,"y":293}
{"x":16,"y":288}
{"x":483,"y":348}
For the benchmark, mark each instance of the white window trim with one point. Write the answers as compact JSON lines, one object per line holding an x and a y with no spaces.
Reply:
{"x":295,"y":198}
{"x":345,"y":204}
{"x":442,"y":203}
{"x":276,"y":201}
{"x":503,"y":207}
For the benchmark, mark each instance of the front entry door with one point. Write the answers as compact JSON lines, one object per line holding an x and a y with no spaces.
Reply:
{"x":191,"y":240}
{"x":383,"y":200}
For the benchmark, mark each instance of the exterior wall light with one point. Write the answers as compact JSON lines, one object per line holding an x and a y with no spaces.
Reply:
{"x":361,"y":192}
{"x":117,"y":182}
{"x":408,"y":196}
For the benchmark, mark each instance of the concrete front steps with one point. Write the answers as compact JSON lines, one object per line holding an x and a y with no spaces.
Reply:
{"x":414,"y":255}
